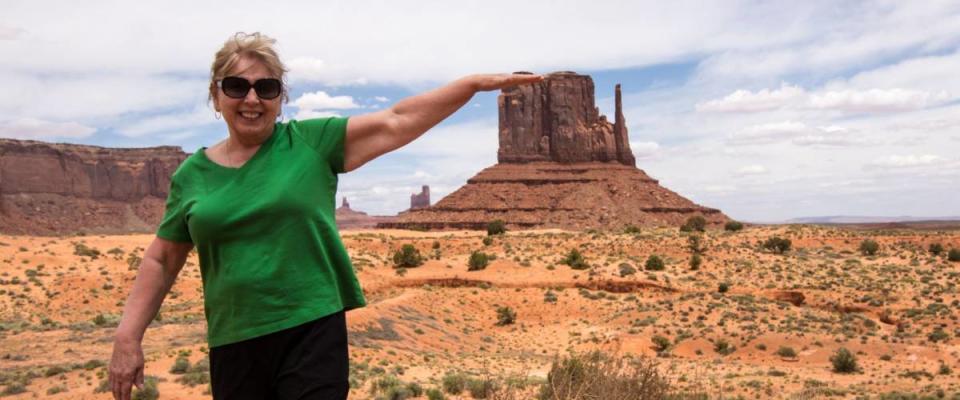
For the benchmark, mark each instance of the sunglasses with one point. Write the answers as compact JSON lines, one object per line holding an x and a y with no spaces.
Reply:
{"x":237,"y":88}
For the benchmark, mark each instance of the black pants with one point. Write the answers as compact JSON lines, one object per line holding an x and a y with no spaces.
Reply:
{"x":308,"y":361}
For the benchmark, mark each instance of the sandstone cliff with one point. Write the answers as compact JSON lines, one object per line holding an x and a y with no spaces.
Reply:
{"x":51,"y":188}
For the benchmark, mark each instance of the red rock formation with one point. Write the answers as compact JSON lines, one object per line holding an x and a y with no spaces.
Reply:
{"x":348,"y":218}
{"x":561,"y":165}
{"x":556,"y":120}
{"x":48,"y":188}
{"x":422,"y":199}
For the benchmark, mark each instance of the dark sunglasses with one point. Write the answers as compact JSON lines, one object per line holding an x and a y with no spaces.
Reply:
{"x":237,"y":88}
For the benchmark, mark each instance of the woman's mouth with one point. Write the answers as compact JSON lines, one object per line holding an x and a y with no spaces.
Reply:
{"x":250,"y":115}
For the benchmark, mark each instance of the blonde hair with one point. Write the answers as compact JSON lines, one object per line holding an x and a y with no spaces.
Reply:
{"x":241,"y":45}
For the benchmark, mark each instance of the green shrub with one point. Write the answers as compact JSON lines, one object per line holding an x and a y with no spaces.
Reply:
{"x":596,"y":376}
{"x":935,"y":249}
{"x":654,"y":263}
{"x":481,"y":388}
{"x":575,"y":260}
{"x":723,"y":287}
{"x":733,"y":226}
{"x":777,"y":245}
{"x":869,"y":247}
{"x":631,"y":229}
{"x":723,"y":347}
{"x":14,"y":388}
{"x":478,"y":261}
{"x":505,"y":316}
{"x":844,"y":362}
{"x":180,"y":365}
{"x":660,"y":343}
{"x":149,"y":391}
{"x":407,"y":257}
{"x":80,"y":249}
{"x":487,"y":240}
{"x":695,"y":262}
{"x":435,"y":394}
{"x":695,"y":244}
{"x":55,"y":370}
{"x":953,"y":255}
{"x":695,"y":223}
{"x":938,"y":335}
{"x":454,"y":383}
{"x":626,"y":269}
{"x":496,"y":227}
{"x":56,"y":389}
{"x":786,"y":352}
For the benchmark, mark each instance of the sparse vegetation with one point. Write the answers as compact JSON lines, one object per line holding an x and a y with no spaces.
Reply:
{"x":407,"y":257}
{"x":733,"y":226}
{"x":953,"y":255}
{"x":786,"y":352}
{"x":723,"y":347}
{"x":695,"y":223}
{"x":596,"y":376}
{"x":869,"y":247}
{"x":575,"y":260}
{"x":654,"y":263}
{"x":505,"y":316}
{"x":777,"y":245}
{"x":695,"y":262}
{"x":478,"y":261}
{"x":496,"y":227}
{"x":844,"y":362}
{"x":935,"y":249}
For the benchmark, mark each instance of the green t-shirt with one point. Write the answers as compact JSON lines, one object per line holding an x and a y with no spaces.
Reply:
{"x":270,"y":253}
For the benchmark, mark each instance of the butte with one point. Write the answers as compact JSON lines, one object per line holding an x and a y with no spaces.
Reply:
{"x":561,"y":164}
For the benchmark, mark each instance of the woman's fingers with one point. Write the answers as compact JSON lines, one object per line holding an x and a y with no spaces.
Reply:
{"x":501,"y":81}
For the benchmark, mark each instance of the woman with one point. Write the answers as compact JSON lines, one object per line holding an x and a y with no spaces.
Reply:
{"x":259,"y":207}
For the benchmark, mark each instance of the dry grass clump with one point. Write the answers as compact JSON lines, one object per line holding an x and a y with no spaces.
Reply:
{"x":597,"y":376}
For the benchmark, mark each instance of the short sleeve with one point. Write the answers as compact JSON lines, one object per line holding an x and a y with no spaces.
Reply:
{"x":326,"y":136}
{"x":173,"y":227}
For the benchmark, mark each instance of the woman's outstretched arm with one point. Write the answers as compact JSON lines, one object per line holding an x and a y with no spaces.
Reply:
{"x":372,"y":135}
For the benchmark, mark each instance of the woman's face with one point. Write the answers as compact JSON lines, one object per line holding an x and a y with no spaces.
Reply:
{"x":251,"y":118}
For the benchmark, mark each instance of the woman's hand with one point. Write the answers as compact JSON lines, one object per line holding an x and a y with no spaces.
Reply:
{"x":487,"y":82}
{"x":126,"y":367}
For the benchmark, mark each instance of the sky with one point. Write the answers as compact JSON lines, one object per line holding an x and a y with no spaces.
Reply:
{"x":766,"y":110}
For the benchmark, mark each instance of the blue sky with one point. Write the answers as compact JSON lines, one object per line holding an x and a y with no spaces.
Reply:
{"x":766,"y":110}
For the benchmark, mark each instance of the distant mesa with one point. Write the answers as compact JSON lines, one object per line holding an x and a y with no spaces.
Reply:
{"x":348,"y":218}
{"x":422,"y":199}
{"x":52,"y":188}
{"x":561,"y":164}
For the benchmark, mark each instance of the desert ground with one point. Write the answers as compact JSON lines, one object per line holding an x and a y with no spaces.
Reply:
{"x":748,"y":322}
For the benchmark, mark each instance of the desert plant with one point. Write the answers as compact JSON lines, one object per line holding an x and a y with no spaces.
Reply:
{"x":631,"y":229}
{"x":180,"y":365}
{"x":869,"y":247}
{"x":733,"y":226}
{"x":935,"y":249}
{"x":695,"y":244}
{"x":505,"y":316}
{"x":953,"y":255}
{"x":435,"y":394}
{"x":575,"y":260}
{"x":777,"y":244}
{"x":695,"y":223}
{"x":407,"y":257}
{"x":478,"y":261}
{"x":786,"y":352}
{"x":723,"y":287}
{"x":596,"y":376}
{"x":149,"y":391}
{"x":487,"y":240}
{"x":496,"y":227}
{"x":454,"y":383}
{"x":626,"y":269}
{"x":654,"y":263}
{"x":481,"y":388}
{"x":695,"y":262}
{"x":844,"y":362}
{"x":660,"y":343}
{"x":723,"y":347}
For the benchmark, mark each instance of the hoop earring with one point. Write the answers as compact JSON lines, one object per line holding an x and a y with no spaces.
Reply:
{"x":216,"y":114}
{"x":280,"y":116}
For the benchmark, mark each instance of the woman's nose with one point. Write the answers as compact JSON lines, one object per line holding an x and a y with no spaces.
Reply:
{"x":251,"y":96}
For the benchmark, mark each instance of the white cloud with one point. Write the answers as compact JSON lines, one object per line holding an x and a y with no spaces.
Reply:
{"x":643,"y":150}
{"x":877,"y":100}
{"x":769,"y":133}
{"x":755,"y":169}
{"x":320,"y":100}
{"x":10,"y":33}
{"x":176,"y":123}
{"x":30,"y":128}
{"x":906,"y":161}
{"x":381,"y":99}
{"x":762,"y":100}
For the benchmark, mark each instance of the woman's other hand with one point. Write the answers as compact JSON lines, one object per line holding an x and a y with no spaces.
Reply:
{"x":487,"y":82}
{"x":126,"y":367}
